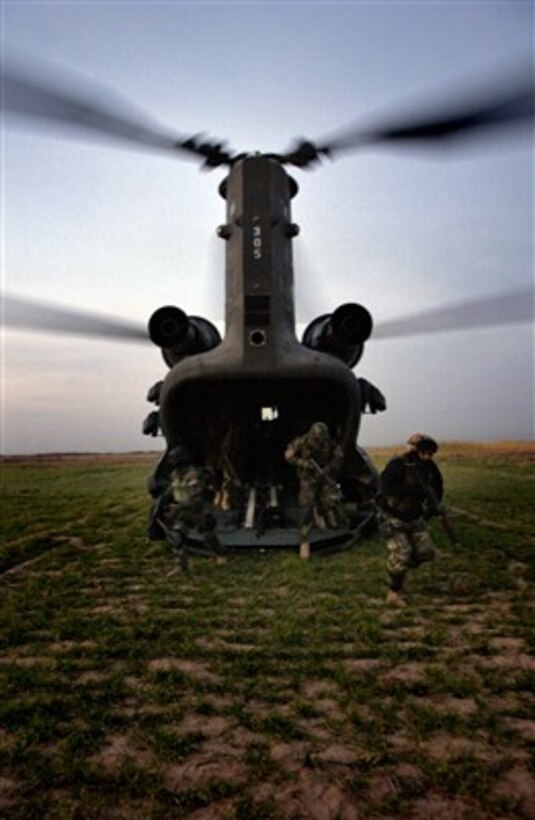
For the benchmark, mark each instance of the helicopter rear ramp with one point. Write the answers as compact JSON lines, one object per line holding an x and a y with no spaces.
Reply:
{"x":247,"y":540}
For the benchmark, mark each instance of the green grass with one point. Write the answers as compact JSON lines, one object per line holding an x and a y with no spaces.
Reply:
{"x":129,"y":689}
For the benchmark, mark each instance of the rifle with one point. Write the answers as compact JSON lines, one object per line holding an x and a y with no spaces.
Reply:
{"x":448,"y":529}
{"x":436,"y":509}
{"x":323,"y":473}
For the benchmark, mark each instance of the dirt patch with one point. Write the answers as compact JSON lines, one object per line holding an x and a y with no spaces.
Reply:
{"x":71,"y":646}
{"x":443,"y":807}
{"x":119,"y":749}
{"x":451,"y":747}
{"x":509,"y":661}
{"x":238,"y":601}
{"x":27,"y":661}
{"x":106,"y":609}
{"x":258,"y":709}
{"x":317,"y":800}
{"x":209,"y":726}
{"x":509,"y":646}
{"x":91,"y":676}
{"x":517,"y":569}
{"x":524,"y":728}
{"x":8,"y":788}
{"x":239,"y":648}
{"x":505,"y":703}
{"x":381,"y":787}
{"x":218,"y":702}
{"x":330,"y":709}
{"x":194,"y":669}
{"x":200,"y":770}
{"x":338,"y":753}
{"x":319,"y":688}
{"x":408,"y":771}
{"x":290,"y":756}
{"x":518,"y":786}
{"x":360,"y":665}
{"x":209,"y":644}
{"x":448,"y":705}
{"x":404,"y":673}
{"x":410,"y":633}
{"x":244,"y":738}
{"x":400,"y":743}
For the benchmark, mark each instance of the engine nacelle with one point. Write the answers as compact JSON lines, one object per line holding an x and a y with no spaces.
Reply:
{"x":180,"y":335}
{"x":342,"y":333}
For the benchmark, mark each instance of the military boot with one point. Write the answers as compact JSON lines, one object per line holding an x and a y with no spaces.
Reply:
{"x":304,"y":550}
{"x":395,"y":599}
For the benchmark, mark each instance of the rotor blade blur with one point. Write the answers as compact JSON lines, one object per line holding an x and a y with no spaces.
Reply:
{"x":39,"y":317}
{"x":514,"y":105}
{"x":510,"y":307}
{"x":65,"y":104}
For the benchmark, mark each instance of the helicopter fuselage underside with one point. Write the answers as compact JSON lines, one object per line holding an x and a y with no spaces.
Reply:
{"x":237,"y":406}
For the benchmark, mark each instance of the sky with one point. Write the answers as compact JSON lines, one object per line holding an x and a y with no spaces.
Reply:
{"x":121,"y":231}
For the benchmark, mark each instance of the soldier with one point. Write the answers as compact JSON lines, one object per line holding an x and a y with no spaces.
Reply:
{"x":435,"y":475}
{"x":413,"y":440}
{"x":410,"y":492}
{"x":230,"y":495}
{"x":318,"y":460}
{"x":188,"y":509}
{"x":160,"y":489}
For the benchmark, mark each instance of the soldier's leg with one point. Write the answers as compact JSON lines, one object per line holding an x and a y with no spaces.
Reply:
{"x":160,"y":511}
{"x":177,"y":539}
{"x":424,"y":549}
{"x":319,"y":509}
{"x":399,"y":557}
{"x":331,"y":505}
{"x":305,"y":525}
{"x":212,"y":543}
{"x":307,"y":498}
{"x":207,"y":525}
{"x":184,"y":522}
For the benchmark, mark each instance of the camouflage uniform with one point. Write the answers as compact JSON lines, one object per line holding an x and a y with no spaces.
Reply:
{"x":409,"y":545}
{"x":318,"y":460}
{"x":188,"y":510}
{"x":410,"y":491}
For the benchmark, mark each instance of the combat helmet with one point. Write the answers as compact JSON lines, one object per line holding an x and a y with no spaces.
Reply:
{"x":413,"y":440}
{"x":426,"y":444}
{"x":319,"y":430}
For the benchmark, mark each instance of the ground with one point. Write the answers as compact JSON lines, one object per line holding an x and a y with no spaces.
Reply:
{"x":269,"y":687}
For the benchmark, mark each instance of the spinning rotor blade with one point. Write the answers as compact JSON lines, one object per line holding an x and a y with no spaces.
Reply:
{"x":65,"y":104}
{"x":43,"y":318}
{"x":510,"y":307}
{"x":514,"y":105}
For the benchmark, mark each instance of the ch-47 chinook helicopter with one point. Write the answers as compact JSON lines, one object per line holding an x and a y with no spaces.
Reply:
{"x":235,"y":402}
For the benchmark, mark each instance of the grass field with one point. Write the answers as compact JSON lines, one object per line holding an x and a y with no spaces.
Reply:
{"x":268,"y":687}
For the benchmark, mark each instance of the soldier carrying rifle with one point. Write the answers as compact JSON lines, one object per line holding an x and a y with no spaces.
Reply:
{"x":410,"y":492}
{"x":186,"y":510}
{"x":318,"y":460}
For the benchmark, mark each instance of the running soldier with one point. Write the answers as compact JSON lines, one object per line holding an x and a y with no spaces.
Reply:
{"x":188,"y":510}
{"x":318,"y":460}
{"x":410,"y":492}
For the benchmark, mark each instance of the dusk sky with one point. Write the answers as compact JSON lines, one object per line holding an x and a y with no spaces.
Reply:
{"x":118,"y":231}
